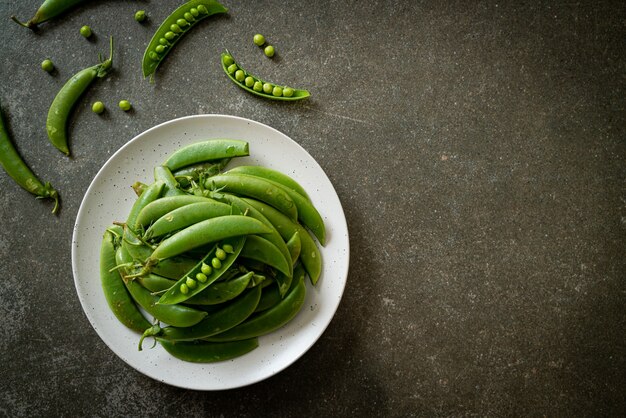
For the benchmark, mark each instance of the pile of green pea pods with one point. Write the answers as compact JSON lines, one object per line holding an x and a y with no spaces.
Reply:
{"x":216,"y":258}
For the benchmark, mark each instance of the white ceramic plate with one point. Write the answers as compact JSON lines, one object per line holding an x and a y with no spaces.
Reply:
{"x":110,"y":197}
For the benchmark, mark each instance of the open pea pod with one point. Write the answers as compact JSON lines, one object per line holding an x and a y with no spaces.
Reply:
{"x":223,"y":291}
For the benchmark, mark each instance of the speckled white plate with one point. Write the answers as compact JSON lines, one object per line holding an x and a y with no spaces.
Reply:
{"x":110,"y":197}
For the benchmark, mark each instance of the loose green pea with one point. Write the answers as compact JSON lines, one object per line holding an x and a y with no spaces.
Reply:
{"x":160,"y":49}
{"x":228,"y":248}
{"x":258,"y":86}
{"x":85,"y":31}
{"x":47,"y":65}
{"x":175,"y":28}
{"x":258,"y":39}
{"x":232,"y":68}
{"x":249,"y":81}
{"x":206,"y":269}
{"x":182,"y":23}
{"x":202,"y":9}
{"x":269,"y":51}
{"x":267,"y":88}
{"x":184,"y":289}
{"x":228,"y":60}
{"x":194,"y":12}
{"x":277,"y":91}
{"x":170,"y":36}
{"x":240,"y":75}
{"x":191,"y":283}
{"x":201,"y":277}
{"x":220,"y":253}
{"x":140,"y":15}
{"x":216,"y":262}
{"x":288,"y":92}
{"x":97,"y":107}
{"x":125,"y":105}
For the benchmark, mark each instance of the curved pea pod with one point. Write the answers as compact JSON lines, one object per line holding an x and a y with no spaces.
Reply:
{"x":268,"y":320}
{"x":175,"y":315}
{"x":49,"y":9}
{"x":66,"y":98}
{"x":271,"y":295}
{"x":206,"y":352}
{"x":171,"y":185}
{"x":222,"y":320}
{"x":257,"y":188}
{"x":115,"y":293}
{"x":207,"y":231}
{"x":210,"y":150}
{"x":173,"y":28}
{"x":295,"y":246}
{"x":154,"y":210}
{"x":191,"y":284}
{"x":223,"y":291}
{"x":309,"y":255}
{"x":155,"y":283}
{"x":150,"y":194}
{"x":206,"y":168}
{"x":257,"y":86}
{"x":260,"y":249}
{"x":185,"y":216}
{"x":270,"y":174}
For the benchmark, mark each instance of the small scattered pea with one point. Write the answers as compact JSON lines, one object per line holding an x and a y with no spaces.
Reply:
{"x":201,"y":277}
{"x":216,"y":262}
{"x":269,"y":51}
{"x":184,"y":289}
{"x":267,"y":88}
{"x":249,"y":81}
{"x":140,"y":15}
{"x":277,"y":91}
{"x":86,"y":31}
{"x":191,"y":283}
{"x":288,"y":92}
{"x":258,"y":86}
{"x":125,"y":105}
{"x":240,"y":75}
{"x":258,"y":39}
{"x":47,"y":65}
{"x":232,"y":68}
{"x":228,"y":248}
{"x":206,"y":269}
{"x":97,"y":107}
{"x":221,"y":254}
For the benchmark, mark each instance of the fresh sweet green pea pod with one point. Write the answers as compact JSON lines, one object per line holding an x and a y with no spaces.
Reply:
{"x":139,"y":187}
{"x":210,"y":150}
{"x":224,"y":319}
{"x":207,"y":169}
{"x":310,"y":254}
{"x":154,"y":210}
{"x":204,"y":232}
{"x":66,"y":98}
{"x":151,"y":194}
{"x":260,"y":249}
{"x":175,"y":315}
{"x":176,"y":295}
{"x":185,"y":216}
{"x":268,"y":320}
{"x":222,"y":291}
{"x":155,"y":283}
{"x":295,"y":246}
{"x":171,"y":185}
{"x":49,"y":9}
{"x":257,"y":188}
{"x":115,"y":292}
{"x":272,"y":297}
{"x":15,"y":167}
{"x":206,"y":352}
{"x":270,"y":174}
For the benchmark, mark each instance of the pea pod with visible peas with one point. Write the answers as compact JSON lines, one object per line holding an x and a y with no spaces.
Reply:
{"x":48,"y":10}
{"x":223,"y":291}
{"x":173,"y":28}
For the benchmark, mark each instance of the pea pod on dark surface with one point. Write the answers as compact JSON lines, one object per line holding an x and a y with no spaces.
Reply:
{"x":15,"y":167}
{"x":173,"y":28}
{"x":67,"y":97}
{"x":49,"y":9}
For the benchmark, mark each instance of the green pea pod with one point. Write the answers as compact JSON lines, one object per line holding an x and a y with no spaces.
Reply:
{"x":204,"y":232}
{"x":139,"y":187}
{"x":49,"y":9}
{"x":171,"y":185}
{"x":185,"y":216}
{"x":226,"y":318}
{"x":260,"y":249}
{"x":150,"y":194}
{"x":310,"y":254}
{"x":66,"y":98}
{"x":189,"y":284}
{"x":272,"y":297}
{"x":257,"y":188}
{"x":15,"y":167}
{"x":173,"y":28}
{"x":154,"y":210}
{"x":155,"y":283}
{"x":207,"y":169}
{"x":205,"y":352}
{"x":223,"y":291}
{"x":268,"y":320}
{"x":115,"y":293}
{"x":211,"y":150}
{"x":270,"y":174}
{"x":175,"y":315}
{"x":295,"y":246}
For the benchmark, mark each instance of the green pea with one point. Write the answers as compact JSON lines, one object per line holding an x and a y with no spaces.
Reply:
{"x":268,"y":88}
{"x":201,"y":277}
{"x":191,"y":283}
{"x":220,"y":253}
{"x":47,"y":65}
{"x":258,"y":39}
{"x":228,"y":248}
{"x":154,"y":56}
{"x":170,"y":36}
{"x":249,"y":81}
{"x":269,"y":51}
{"x":125,"y":105}
{"x":258,"y":86}
{"x":206,"y":269}
{"x":288,"y":92}
{"x":184,"y":289}
{"x":160,"y":49}
{"x":140,"y":15}
{"x":202,"y":9}
{"x":228,"y":60}
{"x":240,"y":75}
{"x":175,"y":28}
{"x":164,"y":41}
{"x":232,"y":68}
{"x":277,"y":91}
{"x":97,"y":107}
{"x":85,"y":31}
{"x":182,"y":23}
{"x":216,"y":262}
{"x":189,"y":17}
{"x":194,"y":12}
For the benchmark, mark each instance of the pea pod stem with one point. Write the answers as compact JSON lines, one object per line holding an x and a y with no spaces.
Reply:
{"x":48,"y":10}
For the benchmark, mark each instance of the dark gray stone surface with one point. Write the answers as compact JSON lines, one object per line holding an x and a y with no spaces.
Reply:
{"x":478,"y":149}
